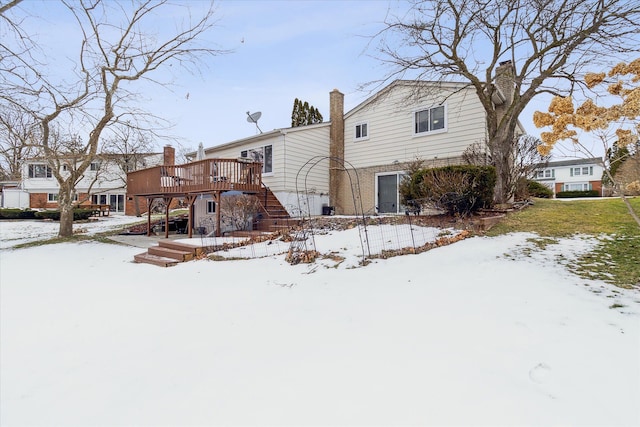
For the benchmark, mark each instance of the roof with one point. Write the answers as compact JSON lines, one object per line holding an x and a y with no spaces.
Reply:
{"x":261,"y":137}
{"x":589,"y":161}
{"x":384,"y":91}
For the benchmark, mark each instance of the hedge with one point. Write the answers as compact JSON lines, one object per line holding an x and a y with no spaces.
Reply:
{"x":78,"y":214}
{"x":14,"y":213}
{"x":574,"y":194}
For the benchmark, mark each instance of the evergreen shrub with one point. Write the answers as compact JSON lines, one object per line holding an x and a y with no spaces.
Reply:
{"x":78,"y":214}
{"x":536,"y":189}
{"x":14,"y":213}
{"x":574,"y":194}
{"x":458,"y":190}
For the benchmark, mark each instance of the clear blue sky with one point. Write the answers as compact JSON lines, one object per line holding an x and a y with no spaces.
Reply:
{"x":280,"y":50}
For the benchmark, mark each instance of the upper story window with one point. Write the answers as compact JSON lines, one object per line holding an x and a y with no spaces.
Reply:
{"x":361,"y":131}
{"x":585,"y":170}
{"x":39,"y":171}
{"x":263,"y":155}
{"x":429,"y":120}
{"x":94,"y":166}
{"x":546,"y":173}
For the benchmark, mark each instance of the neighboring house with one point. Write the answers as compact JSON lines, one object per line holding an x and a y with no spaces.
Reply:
{"x":571,"y":175}
{"x":104,"y":183}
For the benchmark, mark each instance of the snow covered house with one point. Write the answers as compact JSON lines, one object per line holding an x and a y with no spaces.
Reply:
{"x":572,"y":175}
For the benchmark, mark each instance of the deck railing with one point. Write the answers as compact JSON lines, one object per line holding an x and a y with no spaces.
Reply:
{"x":197,"y":177}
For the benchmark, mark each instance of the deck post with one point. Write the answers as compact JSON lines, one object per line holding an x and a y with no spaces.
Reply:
{"x":167,"y":201}
{"x":190,"y":199}
{"x":149,"y":203}
{"x":218,"y":199}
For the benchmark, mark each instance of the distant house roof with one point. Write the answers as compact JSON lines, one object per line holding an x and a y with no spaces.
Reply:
{"x":589,"y":161}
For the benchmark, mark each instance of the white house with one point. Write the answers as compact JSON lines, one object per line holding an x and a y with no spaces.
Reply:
{"x":572,"y":175}
{"x":104,"y":183}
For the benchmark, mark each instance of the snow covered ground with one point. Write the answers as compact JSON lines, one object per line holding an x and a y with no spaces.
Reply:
{"x":486,"y":331}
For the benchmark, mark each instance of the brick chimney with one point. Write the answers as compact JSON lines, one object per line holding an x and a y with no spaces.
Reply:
{"x":336,"y":147}
{"x":169,"y":155}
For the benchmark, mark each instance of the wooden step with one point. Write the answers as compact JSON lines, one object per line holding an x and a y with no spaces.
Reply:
{"x":146,"y":258}
{"x":185,"y":247}
{"x":171,"y":253}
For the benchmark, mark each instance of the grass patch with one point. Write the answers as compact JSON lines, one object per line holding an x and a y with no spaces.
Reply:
{"x":615,"y":260}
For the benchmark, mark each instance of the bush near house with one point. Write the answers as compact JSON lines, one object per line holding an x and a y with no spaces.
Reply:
{"x":574,"y":194}
{"x":458,"y":190}
{"x":78,"y":214}
{"x":17,"y":214}
{"x":536,"y":189}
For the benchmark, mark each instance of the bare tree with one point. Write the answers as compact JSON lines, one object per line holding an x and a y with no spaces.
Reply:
{"x":18,"y":140}
{"x":547,"y":42}
{"x":525,"y":155}
{"x":119,"y":49}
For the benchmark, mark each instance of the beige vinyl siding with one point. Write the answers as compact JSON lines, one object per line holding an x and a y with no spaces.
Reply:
{"x":292,"y":148}
{"x":273,"y":180}
{"x":391,"y":128}
{"x":301,"y":146}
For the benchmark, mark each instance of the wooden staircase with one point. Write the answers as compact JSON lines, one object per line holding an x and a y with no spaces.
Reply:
{"x":273,"y":216}
{"x":168,"y":253}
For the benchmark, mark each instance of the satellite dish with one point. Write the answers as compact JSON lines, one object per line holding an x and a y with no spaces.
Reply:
{"x":253,"y":118}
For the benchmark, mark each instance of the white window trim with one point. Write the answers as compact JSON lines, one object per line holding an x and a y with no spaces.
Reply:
{"x":209,"y":203}
{"x":429,"y":132}
{"x":263,"y":148}
{"x":361,"y":138}
{"x":47,"y":171}
{"x":400,"y":209}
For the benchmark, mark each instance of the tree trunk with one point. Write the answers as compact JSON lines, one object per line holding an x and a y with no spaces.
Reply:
{"x":501,"y":150}
{"x":65,"y":203}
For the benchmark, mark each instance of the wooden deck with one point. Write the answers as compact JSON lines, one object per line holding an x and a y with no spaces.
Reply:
{"x":204,"y":176}
{"x":208,"y":176}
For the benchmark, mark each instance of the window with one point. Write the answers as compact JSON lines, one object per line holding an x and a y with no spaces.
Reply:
{"x":429,"y":120}
{"x":39,"y":171}
{"x":585,"y":170}
{"x":263,"y":155}
{"x":547,"y":173}
{"x":94,"y":166}
{"x":362,"y":131}
{"x":53,"y":197}
{"x":577,"y":187}
{"x":211,"y":207}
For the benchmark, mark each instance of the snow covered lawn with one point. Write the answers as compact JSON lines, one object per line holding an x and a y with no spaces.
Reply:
{"x":485,"y":331}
